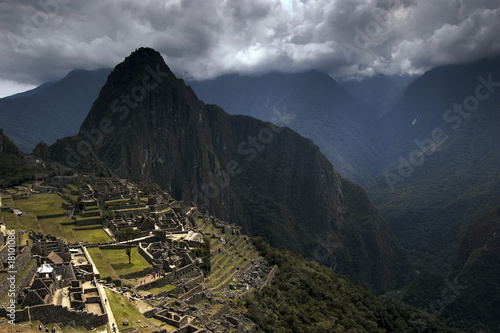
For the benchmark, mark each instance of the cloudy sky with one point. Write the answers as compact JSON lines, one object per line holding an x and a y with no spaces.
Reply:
{"x":42,"y":40}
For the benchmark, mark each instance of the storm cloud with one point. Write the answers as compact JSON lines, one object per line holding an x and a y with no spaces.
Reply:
{"x":43,"y":40}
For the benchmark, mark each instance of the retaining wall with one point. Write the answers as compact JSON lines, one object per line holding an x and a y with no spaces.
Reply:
{"x":49,"y":313}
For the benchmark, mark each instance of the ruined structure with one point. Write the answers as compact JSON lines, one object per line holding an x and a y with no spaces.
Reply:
{"x":169,"y":234}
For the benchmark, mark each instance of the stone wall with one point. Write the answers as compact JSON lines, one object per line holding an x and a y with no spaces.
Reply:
{"x":270,"y":277}
{"x":222,"y":311}
{"x":25,"y":280}
{"x":23,"y":257}
{"x":49,"y":313}
{"x":44,"y":189}
{"x":192,"y":292}
{"x":146,"y":271}
{"x":149,"y":258}
{"x":127,"y":207}
{"x":195,"y":298}
{"x":65,"y":197}
{"x":137,"y":211}
{"x":89,"y":228}
{"x":67,"y":206}
{"x":168,"y":278}
{"x":185,"y":329}
{"x":89,"y":221}
{"x":22,"y":253}
{"x":90,"y":213}
{"x":187,"y":271}
{"x":194,"y":282}
{"x":49,"y":216}
{"x":4,"y":253}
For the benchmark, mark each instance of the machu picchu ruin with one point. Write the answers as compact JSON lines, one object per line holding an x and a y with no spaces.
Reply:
{"x":109,"y":241}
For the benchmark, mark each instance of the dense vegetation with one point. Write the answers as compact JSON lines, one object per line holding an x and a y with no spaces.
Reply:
{"x":203,"y":252}
{"x":308,"y":297}
{"x":469,"y":297}
{"x":127,"y":233}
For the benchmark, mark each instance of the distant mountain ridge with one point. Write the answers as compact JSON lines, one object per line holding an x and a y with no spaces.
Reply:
{"x":312,"y":104}
{"x":441,"y":149}
{"x":147,"y":125}
{"x":378,"y":92}
{"x":52,"y":110}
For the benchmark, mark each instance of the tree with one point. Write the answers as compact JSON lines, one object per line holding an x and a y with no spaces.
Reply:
{"x":127,"y":234}
{"x":128,"y":251}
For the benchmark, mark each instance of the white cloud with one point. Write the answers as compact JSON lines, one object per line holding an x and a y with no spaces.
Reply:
{"x":208,"y":38}
{"x":8,"y":88}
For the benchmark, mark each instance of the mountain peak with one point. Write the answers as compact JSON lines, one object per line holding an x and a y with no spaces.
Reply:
{"x":145,"y":56}
{"x":143,"y":59}
{"x":133,"y":87}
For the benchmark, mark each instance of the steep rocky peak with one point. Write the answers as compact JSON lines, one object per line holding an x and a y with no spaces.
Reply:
{"x":138,"y":86}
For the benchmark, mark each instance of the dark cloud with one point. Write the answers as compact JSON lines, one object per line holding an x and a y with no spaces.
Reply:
{"x":43,"y":40}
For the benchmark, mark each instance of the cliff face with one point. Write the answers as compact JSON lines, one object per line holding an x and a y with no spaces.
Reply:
{"x":13,"y":166}
{"x":148,"y":126}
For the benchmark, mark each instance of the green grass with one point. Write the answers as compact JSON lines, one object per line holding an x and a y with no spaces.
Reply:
{"x":79,"y":218}
{"x":156,"y":291}
{"x":37,"y":204}
{"x":92,"y":236}
{"x":11,"y":221}
{"x":67,"y":192}
{"x":128,"y":312}
{"x":41,"y":204}
{"x":5,"y":196}
{"x":69,"y":234}
{"x":111,"y":262}
{"x":29,"y":221}
{"x":52,"y":226}
{"x":101,"y":262}
{"x":93,"y":210}
{"x":74,"y":234}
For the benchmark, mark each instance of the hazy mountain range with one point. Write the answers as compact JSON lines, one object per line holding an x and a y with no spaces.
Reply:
{"x":316,"y":106}
{"x":52,"y":110}
{"x":441,"y":150}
